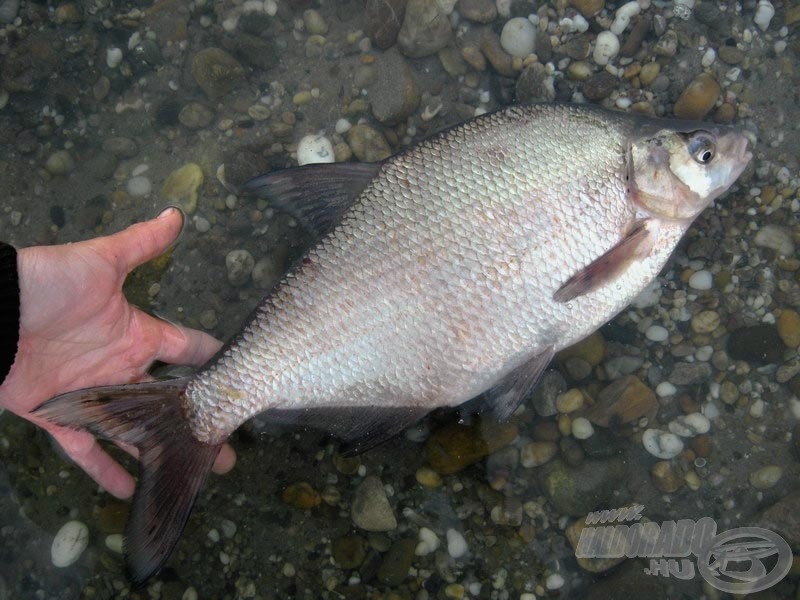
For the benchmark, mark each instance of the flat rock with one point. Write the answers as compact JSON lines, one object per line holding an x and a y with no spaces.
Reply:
{"x":393,"y":92}
{"x":578,"y":490}
{"x":371,"y":510}
{"x":426,"y":29}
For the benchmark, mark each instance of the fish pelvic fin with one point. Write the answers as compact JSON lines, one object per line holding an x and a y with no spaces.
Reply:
{"x":173,"y":464}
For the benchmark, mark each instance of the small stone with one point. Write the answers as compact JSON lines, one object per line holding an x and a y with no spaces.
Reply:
{"x":371,"y":510}
{"x":728,"y":392}
{"x":113,"y":57}
{"x":368,"y":144}
{"x":182,"y":185}
{"x":454,"y":447}
{"x":706,"y":321}
{"x":69,"y":543}
{"x":315,"y":24}
{"x":535,"y":454}
{"x":606,"y":48}
{"x":8,"y":10}
{"x":456,"y":544}
{"x":662,"y":444}
{"x":474,"y":57}
{"x":775,"y":237}
{"x":383,"y":20}
{"x":605,"y":545}
{"x":569,"y":401}
{"x":578,"y":490}
{"x":690,"y":425}
{"x":114,"y":542}
{"x":139,"y":186}
{"x":757,"y":343}
{"x":730,"y":54}
{"x":665,"y":478}
{"x":112,"y":516}
{"x":701,"y":280}
{"x":314,"y":149}
{"x":783,"y":518}
{"x":208,"y":319}
{"x":428,"y":542}
{"x":588,"y":8}
{"x":518,"y":37}
{"x":454,"y":590}
{"x":789,"y":327}
{"x":428,"y":477}
{"x":625,"y":400}
{"x":599,"y":86}
{"x":479,"y":11}
{"x":60,"y":163}
{"x":452,"y":62}
{"x":582,"y":429}
{"x":267,"y":271}
{"x":591,"y":349}
{"x":216,"y":72}
{"x":397,"y":562}
{"x":686,"y":373}
{"x":656,"y":333}
{"x":393,"y":93}
{"x":349,"y":551}
{"x":301,"y":495}
{"x":195,"y":116}
{"x":766,"y":477}
{"x":698,"y":98}
{"x":508,"y":513}
{"x":426,"y":29}
{"x":240,"y":265}
{"x":649,"y":73}
{"x":493,"y":50}
{"x":121,"y":147}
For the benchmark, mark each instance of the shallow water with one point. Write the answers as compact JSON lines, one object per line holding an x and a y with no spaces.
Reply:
{"x":101,"y":102}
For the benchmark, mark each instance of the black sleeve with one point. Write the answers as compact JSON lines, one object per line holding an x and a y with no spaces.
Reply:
{"x":9,"y":308}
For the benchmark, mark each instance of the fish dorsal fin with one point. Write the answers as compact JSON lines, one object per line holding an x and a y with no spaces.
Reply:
{"x":315,"y":195}
{"x":359,"y":428}
{"x":636,"y":243}
{"x":505,"y":396}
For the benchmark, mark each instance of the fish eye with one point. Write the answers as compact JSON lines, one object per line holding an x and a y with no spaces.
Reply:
{"x":702,"y":148}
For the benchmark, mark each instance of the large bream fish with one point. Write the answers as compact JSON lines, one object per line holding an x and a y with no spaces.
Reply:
{"x":454,"y":268}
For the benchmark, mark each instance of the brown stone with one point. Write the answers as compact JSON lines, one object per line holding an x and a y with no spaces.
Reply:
{"x":625,"y":400}
{"x":454,"y":446}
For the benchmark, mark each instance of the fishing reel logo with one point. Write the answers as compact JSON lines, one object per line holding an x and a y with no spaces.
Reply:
{"x":743,"y":560}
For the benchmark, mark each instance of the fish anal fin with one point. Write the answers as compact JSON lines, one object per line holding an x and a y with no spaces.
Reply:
{"x":316,"y":195}
{"x":359,"y":428}
{"x":505,"y":396}
{"x":636,"y":243}
{"x":173,"y":464}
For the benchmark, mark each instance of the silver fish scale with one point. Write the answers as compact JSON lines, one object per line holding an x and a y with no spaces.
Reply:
{"x":440,"y":279}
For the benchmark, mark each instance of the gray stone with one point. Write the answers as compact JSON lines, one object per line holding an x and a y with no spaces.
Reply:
{"x":368,"y":144}
{"x":256,"y":51}
{"x":544,"y":395}
{"x":397,"y":562}
{"x":426,"y":29}
{"x":783,"y":518}
{"x":8,"y":10}
{"x":195,"y":116}
{"x":393,"y":92}
{"x":239,"y":264}
{"x":216,"y":72}
{"x":121,"y":147}
{"x":599,"y":86}
{"x":685,"y":373}
{"x":775,"y":237}
{"x":371,"y":510}
{"x":578,"y":490}
{"x":531,"y":84}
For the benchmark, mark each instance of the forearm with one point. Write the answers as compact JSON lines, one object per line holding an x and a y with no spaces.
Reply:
{"x":9,"y":308}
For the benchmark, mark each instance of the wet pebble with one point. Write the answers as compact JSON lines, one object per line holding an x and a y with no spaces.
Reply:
{"x":69,"y":543}
{"x":569,"y":401}
{"x":582,"y":429}
{"x":216,"y":72}
{"x":690,"y":425}
{"x":577,"y":490}
{"x":239,"y":264}
{"x":393,"y":93}
{"x":599,"y":86}
{"x":454,"y":447}
{"x":60,"y":163}
{"x":368,"y":144}
{"x":8,"y":10}
{"x":182,"y":185}
{"x":656,"y":333}
{"x":208,"y":319}
{"x":730,"y":54}
{"x":665,"y":478}
{"x":518,"y":37}
{"x":789,"y":327}
{"x":775,"y":237}
{"x":425,"y":30}
{"x":701,"y":280}
{"x":604,"y":545}
{"x":588,"y":8}
{"x":195,"y":116}
{"x":371,"y":510}
{"x":139,"y":186}
{"x":690,"y":373}
{"x":625,"y":400}
{"x":349,"y":551}
{"x":705,"y":321}
{"x":535,"y":454}
{"x":757,"y":343}
{"x":121,"y":147}
{"x":662,"y":444}
{"x":699,"y":97}
{"x":456,"y":544}
{"x":301,"y":495}
{"x":766,"y":477}
{"x":314,"y":22}
{"x":266,"y":272}
{"x":428,"y":477}
{"x":383,"y":20}
{"x":397,"y":562}
{"x":479,"y":11}
{"x":314,"y":149}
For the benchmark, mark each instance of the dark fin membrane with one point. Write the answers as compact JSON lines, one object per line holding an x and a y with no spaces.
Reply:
{"x":359,"y":428}
{"x":315,"y":195}
{"x":505,"y":396}
{"x":609,"y":266}
{"x":173,"y":464}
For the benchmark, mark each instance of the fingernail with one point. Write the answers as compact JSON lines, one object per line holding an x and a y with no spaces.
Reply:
{"x":168,"y":211}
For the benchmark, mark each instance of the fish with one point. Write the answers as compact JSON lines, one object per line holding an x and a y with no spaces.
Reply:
{"x":453,"y":270}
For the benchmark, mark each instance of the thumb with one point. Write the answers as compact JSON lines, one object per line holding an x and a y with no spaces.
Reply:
{"x":143,"y":241}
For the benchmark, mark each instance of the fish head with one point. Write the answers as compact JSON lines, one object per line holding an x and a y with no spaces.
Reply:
{"x":675,"y":172}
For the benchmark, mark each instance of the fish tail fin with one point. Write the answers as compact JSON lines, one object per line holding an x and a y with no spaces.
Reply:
{"x":173,"y":464}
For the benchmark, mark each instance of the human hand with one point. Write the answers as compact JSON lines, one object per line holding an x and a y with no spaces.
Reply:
{"x":77,"y":330}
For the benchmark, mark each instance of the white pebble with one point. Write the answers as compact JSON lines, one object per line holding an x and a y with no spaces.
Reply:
{"x":554,"y":581}
{"x":518,"y":37}
{"x":581,"y":25}
{"x":289,"y":570}
{"x":527,"y":596}
{"x":704,"y":353}
{"x":665,"y":388}
{"x":701,"y":280}
{"x":114,"y":542}
{"x":656,"y":333}
{"x":764,"y":14}
{"x":456,"y":544}
{"x":690,"y":425}
{"x":69,"y":543}
{"x":314,"y":149}
{"x":270,"y":7}
{"x":758,"y":408}
{"x":201,"y":224}
{"x":662,"y":444}
{"x":228,"y":528}
{"x":113,"y":57}
{"x":709,"y":56}
{"x":606,"y":47}
{"x":428,"y":542}
{"x":190,"y":594}
{"x":343,"y":126}
{"x":582,"y":429}
{"x":139,"y":186}
{"x":623,"y":17}
{"x":213,"y":535}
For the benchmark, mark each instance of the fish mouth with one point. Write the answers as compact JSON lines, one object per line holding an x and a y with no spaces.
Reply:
{"x":734,"y":147}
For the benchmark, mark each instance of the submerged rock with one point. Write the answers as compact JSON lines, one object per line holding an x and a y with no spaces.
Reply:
{"x":426,"y":29}
{"x":393,"y":92}
{"x":216,"y":72}
{"x":371,"y":509}
{"x":455,"y":447}
{"x":383,"y":20}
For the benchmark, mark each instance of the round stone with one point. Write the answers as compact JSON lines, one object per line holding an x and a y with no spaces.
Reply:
{"x":701,"y":280}
{"x":518,"y":37}
{"x":662,"y":444}
{"x":706,"y":321}
{"x":139,"y":186}
{"x":656,"y":333}
{"x":314,"y":149}
{"x":582,"y":429}
{"x":766,"y":477}
{"x":69,"y":543}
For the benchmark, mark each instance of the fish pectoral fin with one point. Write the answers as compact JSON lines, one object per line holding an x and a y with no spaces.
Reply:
{"x":317,"y":195}
{"x":504,"y":397}
{"x":359,"y":428}
{"x":636,"y":243}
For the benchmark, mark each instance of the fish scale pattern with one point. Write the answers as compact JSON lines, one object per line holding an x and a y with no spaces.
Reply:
{"x":440,"y":279}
